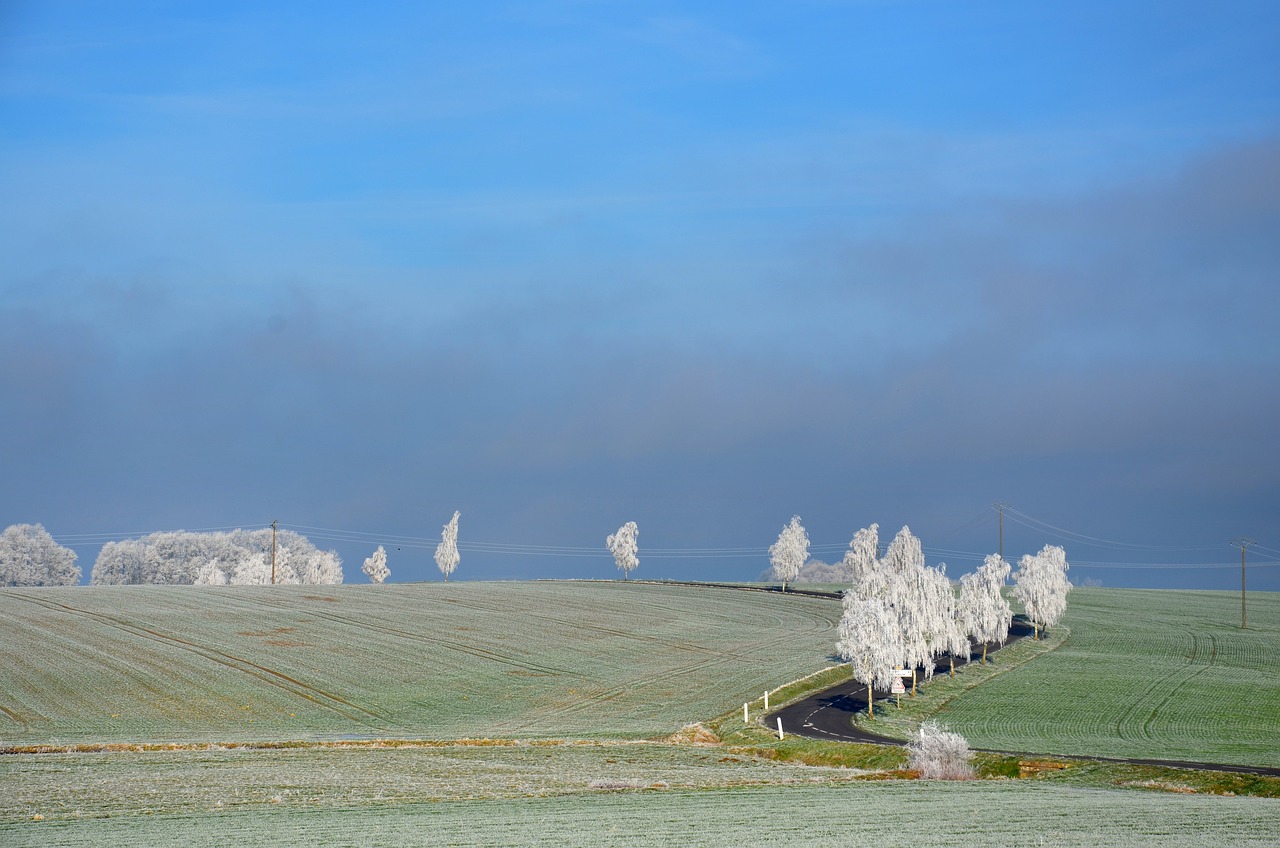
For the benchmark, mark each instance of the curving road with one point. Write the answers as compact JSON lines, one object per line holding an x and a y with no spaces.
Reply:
{"x":829,"y":715}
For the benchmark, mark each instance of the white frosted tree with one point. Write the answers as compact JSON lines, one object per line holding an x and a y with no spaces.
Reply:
{"x":787,"y":555}
{"x":867,"y":639}
{"x":30,"y":557}
{"x":942,"y":622}
{"x":984,"y":613}
{"x":375,"y":567}
{"x":252,"y":570}
{"x":1041,"y":585}
{"x":623,"y":547}
{"x":241,"y":556}
{"x":211,"y":574}
{"x":447,"y":557}
{"x":861,"y":560}
{"x":903,"y":571}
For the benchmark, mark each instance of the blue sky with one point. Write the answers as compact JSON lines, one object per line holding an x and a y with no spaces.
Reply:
{"x":701,"y":266}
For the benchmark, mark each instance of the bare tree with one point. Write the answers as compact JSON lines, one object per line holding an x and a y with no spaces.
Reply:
{"x":790,"y":551}
{"x":623,"y":547}
{"x":447,"y":557}
{"x":375,"y":567}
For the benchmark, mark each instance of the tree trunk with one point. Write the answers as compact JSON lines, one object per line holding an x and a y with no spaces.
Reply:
{"x":1036,"y":630}
{"x":984,"y":653}
{"x":871,"y":701}
{"x":953,"y":665}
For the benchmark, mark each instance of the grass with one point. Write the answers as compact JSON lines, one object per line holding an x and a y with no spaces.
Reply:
{"x":1148,"y":674}
{"x":934,"y":814}
{"x":443,"y":661}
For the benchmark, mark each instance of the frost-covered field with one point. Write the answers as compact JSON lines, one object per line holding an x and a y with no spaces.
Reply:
{"x":916,"y":813}
{"x":72,"y":786}
{"x":1155,"y":674}
{"x":443,"y":661}
{"x":543,"y":664}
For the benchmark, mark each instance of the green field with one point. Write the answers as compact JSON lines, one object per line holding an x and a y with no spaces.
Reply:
{"x":362,"y":699}
{"x":1152,"y":674}
{"x":442,"y":661}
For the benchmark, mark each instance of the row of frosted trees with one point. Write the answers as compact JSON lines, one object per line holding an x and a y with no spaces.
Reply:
{"x":902,"y":614}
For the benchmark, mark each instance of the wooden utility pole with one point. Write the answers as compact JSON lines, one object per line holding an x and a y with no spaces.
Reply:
{"x":999,"y":507}
{"x":273,"y":552}
{"x":1242,"y":542}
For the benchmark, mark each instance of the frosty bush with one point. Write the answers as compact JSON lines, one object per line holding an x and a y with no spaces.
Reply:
{"x":939,"y":754}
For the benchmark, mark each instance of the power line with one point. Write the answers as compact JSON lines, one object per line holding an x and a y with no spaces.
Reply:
{"x":1042,"y":526}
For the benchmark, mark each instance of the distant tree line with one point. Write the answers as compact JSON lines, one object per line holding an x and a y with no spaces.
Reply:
{"x":239,"y":557}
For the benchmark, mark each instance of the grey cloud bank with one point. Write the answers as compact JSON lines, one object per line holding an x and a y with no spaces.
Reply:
{"x":682,"y":302}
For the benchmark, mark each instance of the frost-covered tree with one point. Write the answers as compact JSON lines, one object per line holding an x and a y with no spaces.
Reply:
{"x":943,"y":624}
{"x":939,"y":754}
{"x":30,"y":557}
{"x":375,"y":567}
{"x":239,"y":557}
{"x":984,"y":613}
{"x":623,"y":547}
{"x":868,"y":639}
{"x":447,"y":557}
{"x":861,"y":561}
{"x":790,"y":551}
{"x":1041,"y":584}
{"x":210,"y":574}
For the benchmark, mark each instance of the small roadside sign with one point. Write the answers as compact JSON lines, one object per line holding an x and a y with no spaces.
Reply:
{"x":898,"y":688}
{"x":905,"y":672}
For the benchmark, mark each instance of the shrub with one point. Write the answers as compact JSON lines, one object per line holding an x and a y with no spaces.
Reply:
{"x":939,"y":754}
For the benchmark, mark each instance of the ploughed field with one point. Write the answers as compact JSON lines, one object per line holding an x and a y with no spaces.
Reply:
{"x":426,"y":660}
{"x":1150,"y":674}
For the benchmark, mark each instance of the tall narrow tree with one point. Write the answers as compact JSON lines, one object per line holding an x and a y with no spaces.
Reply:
{"x":790,"y":551}
{"x":447,"y":557}
{"x":623,"y":547}
{"x":861,"y":559}
{"x":868,"y":639}
{"x":983,"y":610}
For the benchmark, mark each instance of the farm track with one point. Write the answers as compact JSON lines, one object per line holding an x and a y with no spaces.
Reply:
{"x":328,"y":700}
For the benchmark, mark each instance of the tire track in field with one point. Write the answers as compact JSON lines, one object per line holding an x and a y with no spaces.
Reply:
{"x":16,"y":717}
{"x":1163,"y":687}
{"x":365,"y":624}
{"x":1182,"y":680}
{"x":278,"y":679}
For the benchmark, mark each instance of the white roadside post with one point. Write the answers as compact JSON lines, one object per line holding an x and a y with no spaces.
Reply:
{"x":766,"y":700}
{"x":745,"y":720}
{"x":780,"y":734}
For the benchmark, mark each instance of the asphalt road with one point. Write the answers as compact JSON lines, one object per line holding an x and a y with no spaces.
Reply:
{"x":829,"y":715}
